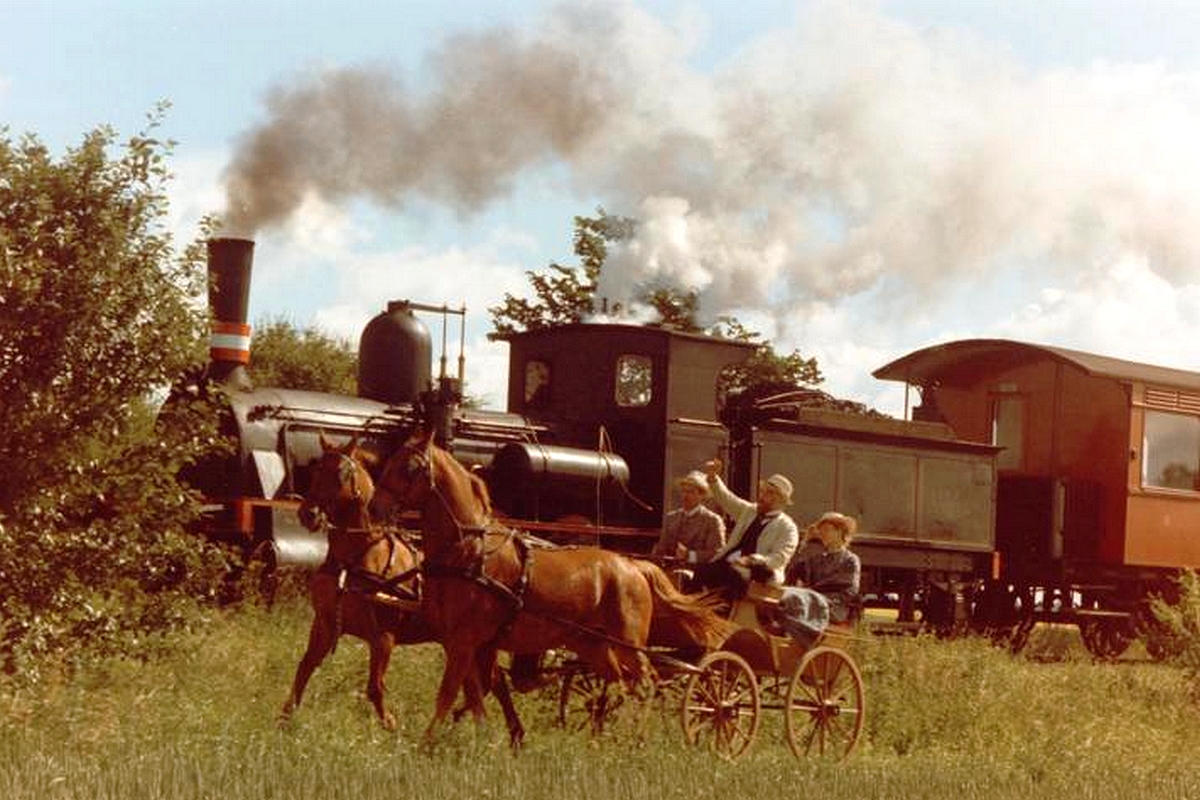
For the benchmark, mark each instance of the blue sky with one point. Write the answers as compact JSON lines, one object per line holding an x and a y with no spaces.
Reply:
{"x":855,"y":179}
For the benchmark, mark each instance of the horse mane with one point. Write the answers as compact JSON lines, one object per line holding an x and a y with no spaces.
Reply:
{"x":480,"y":490}
{"x":476,"y":485}
{"x":366,"y":457}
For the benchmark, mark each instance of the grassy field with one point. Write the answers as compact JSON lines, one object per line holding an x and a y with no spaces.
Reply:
{"x":945,"y":719}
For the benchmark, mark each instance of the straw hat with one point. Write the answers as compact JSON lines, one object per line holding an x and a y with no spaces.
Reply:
{"x":782,"y":485}
{"x":848,"y":525}
{"x":694,"y":478}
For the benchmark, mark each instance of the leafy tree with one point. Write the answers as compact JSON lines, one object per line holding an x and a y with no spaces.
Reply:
{"x":98,"y":315}
{"x":289,"y":357}
{"x":566,"y":294}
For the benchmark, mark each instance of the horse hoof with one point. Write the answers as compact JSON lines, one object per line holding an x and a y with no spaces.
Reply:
{"x":389,"y":722}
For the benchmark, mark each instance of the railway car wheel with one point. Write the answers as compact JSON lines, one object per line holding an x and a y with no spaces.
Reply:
{"x":824,"y":709}
{"x":589,"y":703}
{"x":1161,"y":643}
{"x":721,"y":705}
{"x":1105,"y":638}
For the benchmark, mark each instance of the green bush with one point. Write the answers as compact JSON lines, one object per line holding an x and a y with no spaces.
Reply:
{"x":1178,"y":632}
{"x":98,"y":316}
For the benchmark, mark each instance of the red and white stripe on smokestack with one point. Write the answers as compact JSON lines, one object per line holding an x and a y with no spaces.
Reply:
{"x":230,"y":341}
{"x":229,"y":264}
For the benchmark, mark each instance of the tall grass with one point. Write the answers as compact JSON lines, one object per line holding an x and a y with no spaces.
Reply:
{"x":945,"y":719}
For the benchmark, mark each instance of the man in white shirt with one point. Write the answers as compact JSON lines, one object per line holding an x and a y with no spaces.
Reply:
{"x":763,"y":539}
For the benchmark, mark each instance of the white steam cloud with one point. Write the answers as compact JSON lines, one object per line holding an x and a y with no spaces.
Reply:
{"x":847,"y":152}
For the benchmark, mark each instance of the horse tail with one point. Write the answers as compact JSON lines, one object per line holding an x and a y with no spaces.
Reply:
{"x":683,"y":620}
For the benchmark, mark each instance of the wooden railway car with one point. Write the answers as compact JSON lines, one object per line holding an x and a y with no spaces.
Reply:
{"x":1098,"y":495}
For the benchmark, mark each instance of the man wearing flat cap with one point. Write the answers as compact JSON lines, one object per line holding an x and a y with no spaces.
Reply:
{"x":691,"y":532}
{"x":763,"y":538}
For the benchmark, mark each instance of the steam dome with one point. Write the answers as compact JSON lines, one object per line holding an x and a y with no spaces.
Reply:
{"x":394,"y":356}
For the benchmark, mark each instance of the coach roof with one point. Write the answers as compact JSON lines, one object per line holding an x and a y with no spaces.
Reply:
{"x":962,"y":362}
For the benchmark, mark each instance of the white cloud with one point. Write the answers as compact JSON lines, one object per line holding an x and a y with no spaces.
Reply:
{"x":195,"y":190}
{"x":1124,"y":310}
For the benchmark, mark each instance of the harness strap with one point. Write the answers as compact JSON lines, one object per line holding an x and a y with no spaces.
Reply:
{"x":515,"y":595}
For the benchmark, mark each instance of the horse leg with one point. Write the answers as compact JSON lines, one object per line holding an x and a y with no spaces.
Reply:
{"x":459,"y":664}
{"x":321,"y":638}
{"x":476,"y":686}
{"x":516,"y":731}
{"x":488,"y":678}
{"x":381,"y":645}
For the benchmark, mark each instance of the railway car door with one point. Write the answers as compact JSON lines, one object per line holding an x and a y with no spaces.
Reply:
{"x":1029,"y":527}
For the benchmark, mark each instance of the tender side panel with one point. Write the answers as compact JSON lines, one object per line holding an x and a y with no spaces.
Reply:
{"x":919,"y":506}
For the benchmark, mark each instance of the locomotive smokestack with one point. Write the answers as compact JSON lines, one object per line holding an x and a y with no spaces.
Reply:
{"x":229,"y":264}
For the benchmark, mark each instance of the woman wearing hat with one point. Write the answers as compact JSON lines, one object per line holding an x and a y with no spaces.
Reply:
{"x":823,"y":581}
{"x":691,"y":532}
{"x":763,"y":538}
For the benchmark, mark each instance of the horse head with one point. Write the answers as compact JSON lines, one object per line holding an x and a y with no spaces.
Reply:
{"x":420,"y":476}
{"x":340,"y":488}
{"x":407,"y":478}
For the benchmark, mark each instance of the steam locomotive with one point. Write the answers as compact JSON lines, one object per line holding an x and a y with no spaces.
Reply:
{"x":1031,"y":482}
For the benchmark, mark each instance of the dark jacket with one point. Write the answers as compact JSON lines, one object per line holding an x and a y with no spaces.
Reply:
{"x":834,"y":573}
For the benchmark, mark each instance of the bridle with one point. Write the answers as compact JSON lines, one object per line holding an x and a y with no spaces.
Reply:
{"x":418,"y":467}
{"x":350,"y":476}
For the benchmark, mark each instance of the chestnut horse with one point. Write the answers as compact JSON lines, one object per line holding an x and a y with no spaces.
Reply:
{"x":367,"y":566}
{"x":362,"y":559}
{"x":487,"y":589}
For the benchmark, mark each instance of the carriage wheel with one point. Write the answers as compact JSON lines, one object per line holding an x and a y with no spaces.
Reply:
{"x":824,"y":708}
{"x":587,"y":702}
{"x":721,"y":705}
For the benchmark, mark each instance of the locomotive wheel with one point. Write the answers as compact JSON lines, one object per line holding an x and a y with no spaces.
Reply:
{"x":1105,"y":638}
{"x":721,"y":705}
{"x":587,"y":702}
{"x":824,"y":709}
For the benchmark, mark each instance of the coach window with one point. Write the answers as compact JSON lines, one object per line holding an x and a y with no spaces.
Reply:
{"x":1171,"y":451}
{"x":634,"y":380}
{"x":1008,"y":430}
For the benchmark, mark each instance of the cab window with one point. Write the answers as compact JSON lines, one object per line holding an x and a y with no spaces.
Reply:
{"x":537,"y":383}
{"x":634,"y":380}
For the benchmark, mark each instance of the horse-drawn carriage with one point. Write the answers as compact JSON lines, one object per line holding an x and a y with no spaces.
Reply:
{"x":634,"y":639}
{"x":720,"y":695}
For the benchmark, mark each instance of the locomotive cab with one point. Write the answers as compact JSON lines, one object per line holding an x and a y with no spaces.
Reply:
{"x":644,"y":392}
